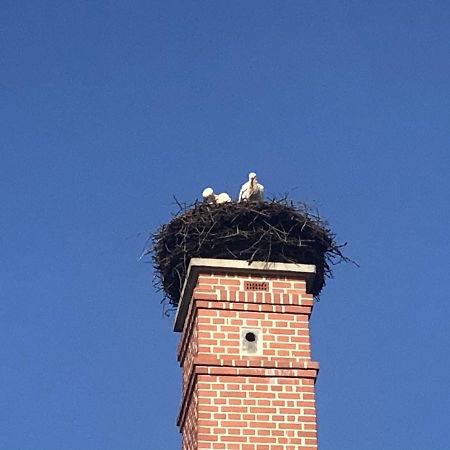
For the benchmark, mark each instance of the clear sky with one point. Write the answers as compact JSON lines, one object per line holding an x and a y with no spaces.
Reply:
{"x":109,"y":108}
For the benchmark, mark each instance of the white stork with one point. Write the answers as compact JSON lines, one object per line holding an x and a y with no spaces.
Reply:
{"x":251,"y":191}
{"x":209,"y":196}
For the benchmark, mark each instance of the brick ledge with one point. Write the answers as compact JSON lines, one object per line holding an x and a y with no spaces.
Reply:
{"x":217,"y":367}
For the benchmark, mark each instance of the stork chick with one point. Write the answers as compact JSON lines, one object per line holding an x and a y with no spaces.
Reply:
{"x":251,"y":191}
{"x":209,"y":196}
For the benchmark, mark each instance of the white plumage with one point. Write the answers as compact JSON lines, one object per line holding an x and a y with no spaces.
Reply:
{"x":217,"y":199}
{"x":251,"y":191}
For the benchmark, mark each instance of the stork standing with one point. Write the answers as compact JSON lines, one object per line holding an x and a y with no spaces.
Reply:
{"x":216,"y":199}
{"x":251,"y":191}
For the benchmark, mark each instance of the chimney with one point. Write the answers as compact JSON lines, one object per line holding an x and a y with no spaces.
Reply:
{"x":247,"y":374}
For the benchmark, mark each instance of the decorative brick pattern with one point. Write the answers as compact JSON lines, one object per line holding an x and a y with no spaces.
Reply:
{"x":233,"y":401}
{"x":256,"y":286}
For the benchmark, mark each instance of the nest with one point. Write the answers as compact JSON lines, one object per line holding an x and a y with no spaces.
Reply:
{"x":277,"y":231}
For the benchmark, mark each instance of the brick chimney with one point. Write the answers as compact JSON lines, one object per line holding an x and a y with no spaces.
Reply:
{"x":248,"y":378}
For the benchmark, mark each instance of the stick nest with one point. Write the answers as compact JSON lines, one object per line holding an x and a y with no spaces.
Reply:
{"x":276,"y":230}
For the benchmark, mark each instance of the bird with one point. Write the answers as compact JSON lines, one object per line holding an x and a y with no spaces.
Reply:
{"x":216,"y":199}
{"x":251,"y":191}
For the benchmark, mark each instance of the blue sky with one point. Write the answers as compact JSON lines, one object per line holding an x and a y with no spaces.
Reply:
{"x":109,"y":108}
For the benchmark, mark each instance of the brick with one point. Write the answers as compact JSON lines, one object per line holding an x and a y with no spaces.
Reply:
{"x":233,"y":401}
{"x":227,"y":282}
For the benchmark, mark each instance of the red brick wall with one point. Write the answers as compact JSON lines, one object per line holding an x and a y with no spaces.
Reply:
{"x":233,"y":401}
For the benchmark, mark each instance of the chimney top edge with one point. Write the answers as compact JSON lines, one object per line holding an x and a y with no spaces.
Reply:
{"x":198,"y":265}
